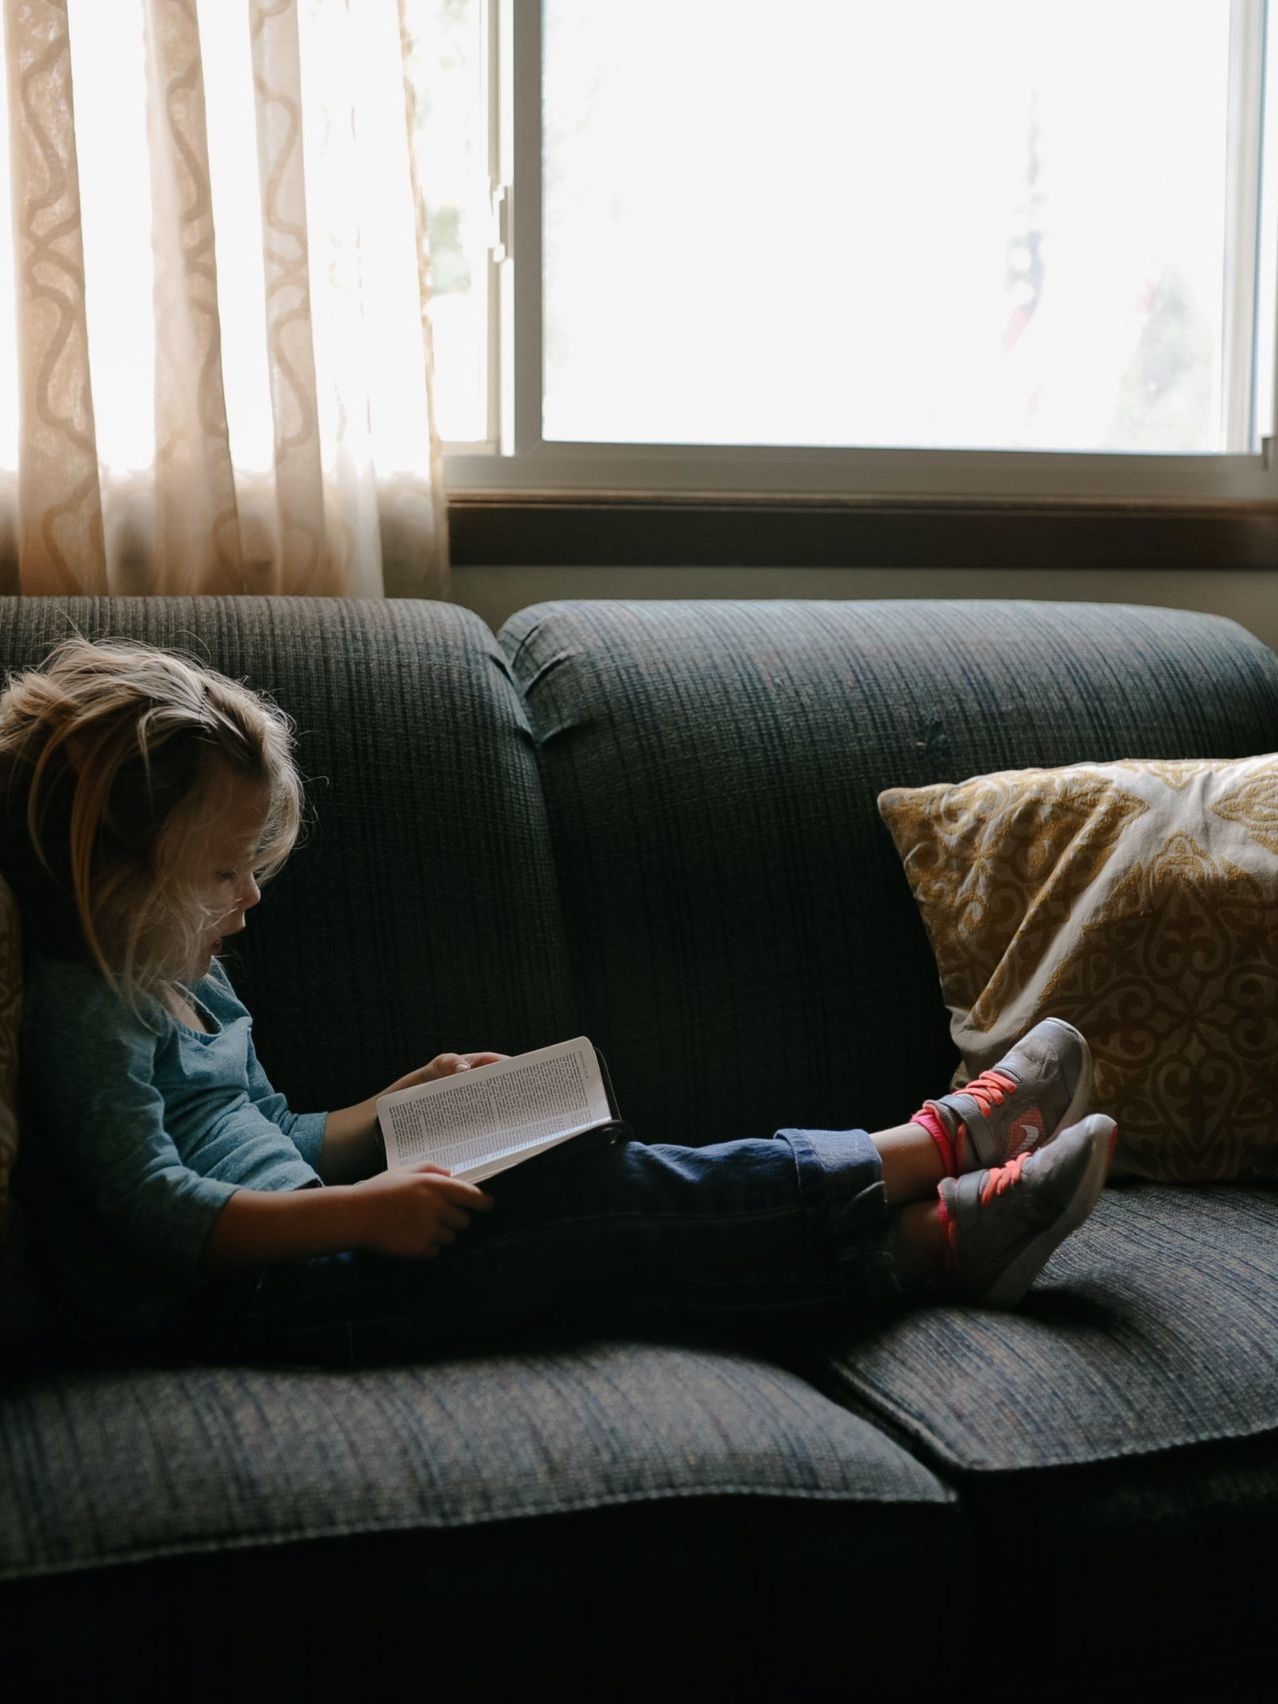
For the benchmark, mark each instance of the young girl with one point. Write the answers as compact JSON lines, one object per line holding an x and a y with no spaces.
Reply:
{"x":172,"y":1190}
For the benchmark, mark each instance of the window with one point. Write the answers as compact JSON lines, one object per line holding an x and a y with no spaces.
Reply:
{"x":837,"y":246}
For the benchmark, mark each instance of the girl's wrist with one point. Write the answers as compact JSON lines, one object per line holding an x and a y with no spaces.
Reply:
{"x":353,"y":1215}
{"x":257,"y":1227}
{"x":353,"y":1147}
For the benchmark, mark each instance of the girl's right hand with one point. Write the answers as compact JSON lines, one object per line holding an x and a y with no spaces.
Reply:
{"x":414,"y":1211}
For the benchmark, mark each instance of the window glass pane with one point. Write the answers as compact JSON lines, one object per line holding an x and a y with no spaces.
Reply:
{"x":838,"y":222}
{"x":446,"y":65}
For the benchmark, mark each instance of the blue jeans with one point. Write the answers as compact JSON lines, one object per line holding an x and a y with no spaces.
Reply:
{"x":749,"y":1231}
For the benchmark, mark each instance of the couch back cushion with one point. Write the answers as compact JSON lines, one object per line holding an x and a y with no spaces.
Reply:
{"x":745,"y":944}
{"x":421,"y":912}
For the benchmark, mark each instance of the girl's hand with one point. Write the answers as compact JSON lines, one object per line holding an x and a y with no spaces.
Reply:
{"x":414,"y":1211}
{"x":351,"y":1145}
{"x":446,"y":1065}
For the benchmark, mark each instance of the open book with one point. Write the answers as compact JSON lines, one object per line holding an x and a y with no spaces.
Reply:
{"x":481,"y":1121}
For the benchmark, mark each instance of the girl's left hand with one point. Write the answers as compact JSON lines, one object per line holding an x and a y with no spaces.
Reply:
{"x":446,"y":1065}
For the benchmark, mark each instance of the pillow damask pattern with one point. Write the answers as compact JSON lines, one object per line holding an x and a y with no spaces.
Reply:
{"x":1137,"y":900}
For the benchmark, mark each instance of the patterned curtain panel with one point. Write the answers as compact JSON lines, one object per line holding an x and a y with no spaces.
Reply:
{"x":219,"y":374}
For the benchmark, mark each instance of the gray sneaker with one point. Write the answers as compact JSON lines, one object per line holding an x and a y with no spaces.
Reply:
{"x":1042,"y":1085}
{"x":1001,"y":1224}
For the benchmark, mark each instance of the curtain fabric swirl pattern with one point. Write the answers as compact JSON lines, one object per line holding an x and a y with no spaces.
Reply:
{"x":275,"y":314}
{"x":58,"y":525}
{"x":197,"y":535}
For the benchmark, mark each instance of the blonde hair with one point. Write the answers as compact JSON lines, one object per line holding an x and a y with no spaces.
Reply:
{"x":110,"y":752}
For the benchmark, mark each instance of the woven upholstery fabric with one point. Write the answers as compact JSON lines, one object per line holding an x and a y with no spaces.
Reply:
{"x":10,"y":1028}
{"x":421,"y":913}
{"x":22,"y":1310}
{"x":746,"y":948}
{"x":1151,"y":1579}
{"x":1153,"y":1328}
{"x":1138,"y":901}
{"x":115,"y":1466}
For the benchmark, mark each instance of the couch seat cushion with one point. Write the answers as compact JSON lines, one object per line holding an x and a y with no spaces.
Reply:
{"x":110,"y":1466}
{"x":1154,"y":1327}
{"x":563,"y":1518}
{"x":1113,"y":1442}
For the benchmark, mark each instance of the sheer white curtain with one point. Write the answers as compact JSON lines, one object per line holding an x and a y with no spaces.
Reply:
{"x":215,"y":358}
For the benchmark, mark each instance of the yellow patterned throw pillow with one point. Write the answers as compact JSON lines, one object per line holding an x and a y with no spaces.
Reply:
{"x":1137,"y":900}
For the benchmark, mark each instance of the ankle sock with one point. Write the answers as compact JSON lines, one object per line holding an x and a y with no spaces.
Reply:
{"x":949,"y":1252}
{"x":931,"y":1121}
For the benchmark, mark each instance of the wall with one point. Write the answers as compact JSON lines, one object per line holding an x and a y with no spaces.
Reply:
{"x":1249,"y":597}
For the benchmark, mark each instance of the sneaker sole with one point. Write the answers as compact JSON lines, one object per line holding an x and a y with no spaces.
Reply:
{"x":1011,"y":1285}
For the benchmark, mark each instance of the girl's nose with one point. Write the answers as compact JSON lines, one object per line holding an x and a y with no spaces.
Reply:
{"x":252,"y":893}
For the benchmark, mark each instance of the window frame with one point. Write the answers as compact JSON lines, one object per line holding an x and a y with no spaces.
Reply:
{"x":518,"y":460}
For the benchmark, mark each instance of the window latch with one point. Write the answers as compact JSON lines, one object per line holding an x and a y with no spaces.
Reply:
{"x":499,"y":231}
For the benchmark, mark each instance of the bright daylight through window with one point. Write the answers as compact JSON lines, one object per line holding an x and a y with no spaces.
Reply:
{"x":767,"y":244}
{"x":832,"y":237}
{"x":835,"y":225}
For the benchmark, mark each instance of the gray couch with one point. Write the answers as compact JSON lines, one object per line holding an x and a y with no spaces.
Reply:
{"x":655,"y":824}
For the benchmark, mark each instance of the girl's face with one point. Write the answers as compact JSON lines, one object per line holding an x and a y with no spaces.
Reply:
{"x":219,"y":860}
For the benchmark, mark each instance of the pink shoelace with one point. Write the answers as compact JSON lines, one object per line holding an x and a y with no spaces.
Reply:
{"x":1002,"y":1178}
{"x":989,"y":1090}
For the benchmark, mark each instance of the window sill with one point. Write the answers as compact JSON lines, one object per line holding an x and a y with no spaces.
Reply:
{"x":710,"y":529}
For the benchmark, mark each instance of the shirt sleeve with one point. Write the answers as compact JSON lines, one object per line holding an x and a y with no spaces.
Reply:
{"x":304,"y":1129}
{"x":89,"y":1072}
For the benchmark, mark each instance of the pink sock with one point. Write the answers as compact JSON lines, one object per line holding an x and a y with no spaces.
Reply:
{"x":949,"y":1252}
{"x":936,"y":1129}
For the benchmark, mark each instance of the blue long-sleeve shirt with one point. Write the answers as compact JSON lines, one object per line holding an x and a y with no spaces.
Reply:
{"x":136,"y":1136}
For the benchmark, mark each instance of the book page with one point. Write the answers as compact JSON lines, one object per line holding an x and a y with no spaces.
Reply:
{"x":480,"y":1121}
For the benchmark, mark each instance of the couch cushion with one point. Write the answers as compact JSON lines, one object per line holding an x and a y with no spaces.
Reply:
{"x":107,"y":1466}
{"x":10,"y":1026}
{"x":421,"y":912}
{"x":1143,"y":1581}
{"x":704,"y":1518}
{"x":1153,"y":1328}
{"x":1114,"y":1442}
{"x":745,"y":944}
